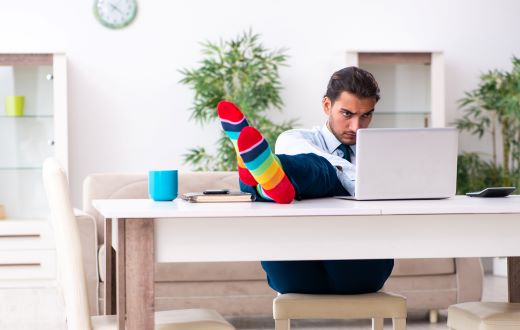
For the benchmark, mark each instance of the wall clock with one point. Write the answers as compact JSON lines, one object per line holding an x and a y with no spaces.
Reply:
{"x":115,"y":14}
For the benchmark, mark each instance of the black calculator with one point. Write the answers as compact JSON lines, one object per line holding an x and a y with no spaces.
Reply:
{"x":492,"y":192}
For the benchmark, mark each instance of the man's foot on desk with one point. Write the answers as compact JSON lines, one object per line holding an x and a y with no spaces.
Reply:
{"x":233,"y":121}
{"x":264,"y":166}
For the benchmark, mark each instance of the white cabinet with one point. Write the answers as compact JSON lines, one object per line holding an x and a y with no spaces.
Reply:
{"x":26,"y":140}
{"x":27,"y":255}
{"x":412,"y":87}
{"x":26,"y":245}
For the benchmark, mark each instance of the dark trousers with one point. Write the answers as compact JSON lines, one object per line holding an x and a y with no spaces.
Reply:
{"x":313,"y":177}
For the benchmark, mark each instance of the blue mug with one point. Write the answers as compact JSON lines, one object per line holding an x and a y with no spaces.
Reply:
{"x":163,"y":185}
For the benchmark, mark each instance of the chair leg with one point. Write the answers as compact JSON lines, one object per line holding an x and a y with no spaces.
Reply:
{"x":434,"y":316}
{"x":377,"y":323}
{"x":282,"y":324}
{"x":399,"y":324}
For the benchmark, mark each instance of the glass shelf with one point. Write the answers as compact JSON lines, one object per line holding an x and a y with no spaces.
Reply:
{"x":27,"y":116}
{"x":21,"y":168}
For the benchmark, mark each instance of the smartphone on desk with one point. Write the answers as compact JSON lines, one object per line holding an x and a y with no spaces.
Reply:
{"x":216,"y":191}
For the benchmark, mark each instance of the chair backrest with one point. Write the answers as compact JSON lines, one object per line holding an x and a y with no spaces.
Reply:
{"x":71,"y":275}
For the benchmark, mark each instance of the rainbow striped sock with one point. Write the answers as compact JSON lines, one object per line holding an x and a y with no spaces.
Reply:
{"x":233,"y":121}
{"x":264,"y":166}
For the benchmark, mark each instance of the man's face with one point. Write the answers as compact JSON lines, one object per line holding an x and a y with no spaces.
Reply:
{"x":348,"y":114}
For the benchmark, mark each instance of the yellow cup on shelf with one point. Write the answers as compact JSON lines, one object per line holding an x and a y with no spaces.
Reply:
{"x":2,"y":212}
{"x":14,"y":105}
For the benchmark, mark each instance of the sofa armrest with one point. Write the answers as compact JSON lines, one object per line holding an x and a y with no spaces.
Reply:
{"x":88,"y":235}
{"x":470,"y":277}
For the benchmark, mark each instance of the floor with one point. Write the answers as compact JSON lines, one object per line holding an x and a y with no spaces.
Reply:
{"x":28,"y":309}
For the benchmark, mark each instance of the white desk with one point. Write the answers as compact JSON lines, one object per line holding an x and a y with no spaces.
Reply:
{"x":305,"y":230}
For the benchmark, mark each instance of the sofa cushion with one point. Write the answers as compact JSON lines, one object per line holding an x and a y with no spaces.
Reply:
{"x":86,"y":227}
{"x":209,"y":271}
{"x":233,"y":298}
{"x":213,"y":289}
{"x":414,"y":267}
{"x":199,"y":271}
{"x":425,"y":292}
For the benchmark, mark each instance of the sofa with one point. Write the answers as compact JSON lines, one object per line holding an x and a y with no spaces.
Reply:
{"x":240,"y":288}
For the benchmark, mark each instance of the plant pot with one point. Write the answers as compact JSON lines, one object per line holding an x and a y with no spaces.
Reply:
{"x":14,"y":105}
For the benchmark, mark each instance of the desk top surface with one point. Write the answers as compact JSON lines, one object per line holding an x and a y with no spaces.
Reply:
{"x":146,"y":208}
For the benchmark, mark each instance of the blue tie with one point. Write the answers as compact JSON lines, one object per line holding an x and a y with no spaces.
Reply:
{"x":346,"y":151}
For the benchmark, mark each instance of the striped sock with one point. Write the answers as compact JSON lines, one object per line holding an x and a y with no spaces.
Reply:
{"x":233,"y":121}
{"x":264,"y":166}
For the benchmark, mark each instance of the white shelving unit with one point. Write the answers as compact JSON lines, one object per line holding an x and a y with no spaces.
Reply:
{"x":412,"y":87}
{"x":27,"y":256}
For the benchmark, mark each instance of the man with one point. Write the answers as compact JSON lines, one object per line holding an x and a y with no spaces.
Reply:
{"x":349,"y":103}
{"x":311,"y":164}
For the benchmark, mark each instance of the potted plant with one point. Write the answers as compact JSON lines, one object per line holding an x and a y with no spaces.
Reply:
{"x":493,"y":108}
{"x":242,"y":71}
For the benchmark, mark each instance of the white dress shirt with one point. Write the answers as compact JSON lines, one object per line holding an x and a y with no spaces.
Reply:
{"x":320,"y":141}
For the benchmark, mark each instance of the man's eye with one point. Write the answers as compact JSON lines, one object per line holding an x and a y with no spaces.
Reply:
{"x":346,"y":114}
{"x":367,"y":115}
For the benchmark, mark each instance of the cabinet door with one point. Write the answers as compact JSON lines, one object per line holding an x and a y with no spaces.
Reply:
{"x":411,"y":84}
{"x":28,"y":136}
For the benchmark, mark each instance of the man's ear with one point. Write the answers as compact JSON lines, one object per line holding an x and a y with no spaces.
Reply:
{"x":327,"y":105}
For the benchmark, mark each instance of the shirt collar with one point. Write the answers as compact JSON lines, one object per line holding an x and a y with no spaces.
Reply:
{"x":332,"y":142}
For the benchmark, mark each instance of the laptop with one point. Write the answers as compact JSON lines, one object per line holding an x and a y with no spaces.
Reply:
{"x":410,"y":163}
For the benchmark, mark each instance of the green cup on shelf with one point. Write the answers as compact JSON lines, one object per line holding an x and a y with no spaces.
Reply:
{"x":14,"y":105}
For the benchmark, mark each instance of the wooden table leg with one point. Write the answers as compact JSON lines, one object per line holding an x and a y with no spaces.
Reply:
{"x":109,"y":285}
{"x":121,"y":271}
{"x":140,"y":273}
{"x":113,"y":297}
{"x":513,"y":279}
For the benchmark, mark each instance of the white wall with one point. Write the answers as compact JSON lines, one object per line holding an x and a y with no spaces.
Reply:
{"x":129,"y":113}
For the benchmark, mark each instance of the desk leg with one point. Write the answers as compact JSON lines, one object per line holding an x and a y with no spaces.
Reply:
{"x":121,"y":279}
{"x":140,"y":273}
{"x":110,"y":279}
{"x":513,"y":279}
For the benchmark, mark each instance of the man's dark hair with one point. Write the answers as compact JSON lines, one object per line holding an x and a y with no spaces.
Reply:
{"x":353,"y":80}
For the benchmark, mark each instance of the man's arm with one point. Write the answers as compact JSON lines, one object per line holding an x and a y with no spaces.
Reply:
{"x":295,"y":142}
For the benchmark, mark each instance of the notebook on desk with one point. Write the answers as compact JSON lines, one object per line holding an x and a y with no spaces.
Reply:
{"x":394,"y":163}
{"x":228,"y":197}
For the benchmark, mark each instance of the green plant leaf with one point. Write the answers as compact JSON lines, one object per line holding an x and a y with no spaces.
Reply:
{"x":492,"y":108}
{"x":243,"y":71}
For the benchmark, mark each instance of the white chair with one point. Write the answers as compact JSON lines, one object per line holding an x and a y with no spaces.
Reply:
{"x":376,"y":306}
{"x":484,"y":316}
{"x":71,"y":274}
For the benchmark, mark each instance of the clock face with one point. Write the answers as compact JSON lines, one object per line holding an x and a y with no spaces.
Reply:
{"x":115,"y":14}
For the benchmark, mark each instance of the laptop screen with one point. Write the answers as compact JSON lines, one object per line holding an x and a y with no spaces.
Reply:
{"x":396,"y":163}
